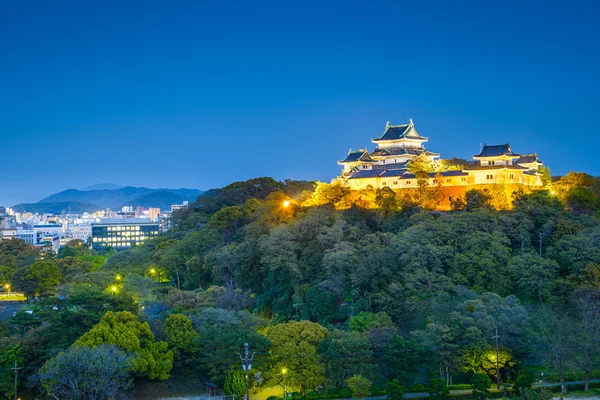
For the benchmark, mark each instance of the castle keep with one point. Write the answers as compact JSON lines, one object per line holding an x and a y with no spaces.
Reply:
{"x":388,"y":164}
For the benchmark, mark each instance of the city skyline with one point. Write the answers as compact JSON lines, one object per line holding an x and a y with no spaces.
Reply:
{"x":201,"y":95}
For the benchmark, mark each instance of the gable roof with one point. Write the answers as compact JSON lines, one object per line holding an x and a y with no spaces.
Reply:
{"x":528,"y":159}
{"x":496,"y":151}
{"x":359,"y":155}
{"x":398,"y":132}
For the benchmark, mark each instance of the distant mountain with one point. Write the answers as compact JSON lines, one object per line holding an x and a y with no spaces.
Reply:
{"x":115,"y":198}
{"x":161,"y":199}
{"x":74,"y":207}
{"x":102,"y":186}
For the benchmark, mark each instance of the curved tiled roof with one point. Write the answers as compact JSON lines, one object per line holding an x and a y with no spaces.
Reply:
{"x":397,"y":132}
{"x":496,"y":151}
{"x":354,"y":156}
{"x":528,"y":159}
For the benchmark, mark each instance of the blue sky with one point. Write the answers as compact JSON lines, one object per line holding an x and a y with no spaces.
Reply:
{"x":200,"y":94}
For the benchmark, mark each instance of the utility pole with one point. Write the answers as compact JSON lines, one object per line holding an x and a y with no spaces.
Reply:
{"x":246,"y":367}
{"x":16,"y":369}
{"x":497,"y":362}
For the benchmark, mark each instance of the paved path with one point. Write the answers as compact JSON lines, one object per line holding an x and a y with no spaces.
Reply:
{"x":277,"y":391}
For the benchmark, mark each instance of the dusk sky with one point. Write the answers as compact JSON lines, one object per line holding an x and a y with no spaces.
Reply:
{"x":199,"y":94}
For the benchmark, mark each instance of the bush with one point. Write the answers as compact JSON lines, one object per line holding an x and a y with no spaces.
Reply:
{"x":359,"y":385}
{"x":416,"y":388}
{"x":345,"y":393}
{"x":460,"y":386}
{"x":311,"y":396}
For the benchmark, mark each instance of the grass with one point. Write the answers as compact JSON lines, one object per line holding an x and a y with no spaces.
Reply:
{"x":593,"y":392}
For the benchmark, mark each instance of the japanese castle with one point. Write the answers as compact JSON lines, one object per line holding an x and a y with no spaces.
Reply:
{"x":387,"y":165}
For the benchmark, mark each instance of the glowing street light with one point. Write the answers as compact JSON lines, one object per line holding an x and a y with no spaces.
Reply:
{"x":113,"y":288}
{"x":283,"y":372}
{"x":287,"y":203}
{"x":118,"y":277}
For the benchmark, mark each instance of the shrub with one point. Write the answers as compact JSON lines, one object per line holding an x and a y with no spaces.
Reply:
{"x":460,"y":386}
{"x":359,"y":385}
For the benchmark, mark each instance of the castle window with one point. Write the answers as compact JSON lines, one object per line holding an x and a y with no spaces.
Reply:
{"x":464,"y":179}
{"x":449,"y":180}
{"x":435,"y":181}
{"x":384,"y":183}
{"x":492,"y":162}
{"x":489,"y":177}
{"x":511,"y":176}
{"x":395,"y":182}
{"x":408,"y":182}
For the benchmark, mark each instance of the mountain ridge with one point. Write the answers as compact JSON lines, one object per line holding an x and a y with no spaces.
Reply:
{"x":114,"y":199}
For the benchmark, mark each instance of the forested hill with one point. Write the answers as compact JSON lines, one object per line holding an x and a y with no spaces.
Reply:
{"x":389,"y":289}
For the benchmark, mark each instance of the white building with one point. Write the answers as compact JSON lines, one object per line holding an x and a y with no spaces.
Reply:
{"x":81,"y":232}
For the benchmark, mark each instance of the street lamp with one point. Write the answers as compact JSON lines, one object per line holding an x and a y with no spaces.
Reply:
{"x":283,"y":372}
{"x":118,"y":277}
{"x":286,"y":203}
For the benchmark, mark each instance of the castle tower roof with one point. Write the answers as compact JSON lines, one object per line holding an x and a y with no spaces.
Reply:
{"x":496,"y":151}
{"x":361,"y":155}
{"x":399,"y":132}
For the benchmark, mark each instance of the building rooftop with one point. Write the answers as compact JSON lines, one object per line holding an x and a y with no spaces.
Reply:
{"x":398,"y":132}
{"x":124,"y":221}
{"x":399,"y":151}
{"x":496,"y":151}
{"x":359,"y":155}
{"x":528,"y":159}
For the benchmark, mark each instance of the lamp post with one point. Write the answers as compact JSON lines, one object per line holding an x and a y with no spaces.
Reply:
{"x":7,"y":287}
{"x":283,"y":372}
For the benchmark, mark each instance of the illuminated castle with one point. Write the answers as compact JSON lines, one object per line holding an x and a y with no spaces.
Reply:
{"x":387,"y":165}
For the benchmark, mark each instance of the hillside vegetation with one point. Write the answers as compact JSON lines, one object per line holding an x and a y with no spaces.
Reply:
{"x":358,"y":292}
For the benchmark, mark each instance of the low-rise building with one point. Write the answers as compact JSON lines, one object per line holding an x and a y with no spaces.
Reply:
{"x":81,"y":232}
{"x":122,"y":233}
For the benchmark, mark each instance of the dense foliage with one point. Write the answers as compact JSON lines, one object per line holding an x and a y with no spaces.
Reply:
{"x":362,"y":290}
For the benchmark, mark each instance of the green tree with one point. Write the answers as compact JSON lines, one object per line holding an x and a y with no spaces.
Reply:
{"x":359,"y":386}
{"x":235,"y":383}
{"x":122,"y":329}
{"x":523,"y":382}
{"x":222,"y":335}
{"x":481,"y":386}
{"x":356,"y":360}
{"x":533,"y":275}
{"x":180,"y":336}
{"x":438,"y":389}
{"x":475,"y":199}
{"x":40,"y":278}
{"x":23,"y":321}
{"x":290,"y":339}
{"x":10,"y":351}
{"x":395,"y":390}
{"x":98,"y":373}
{"x":366,"y":320}
{"x":401,"y":357}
